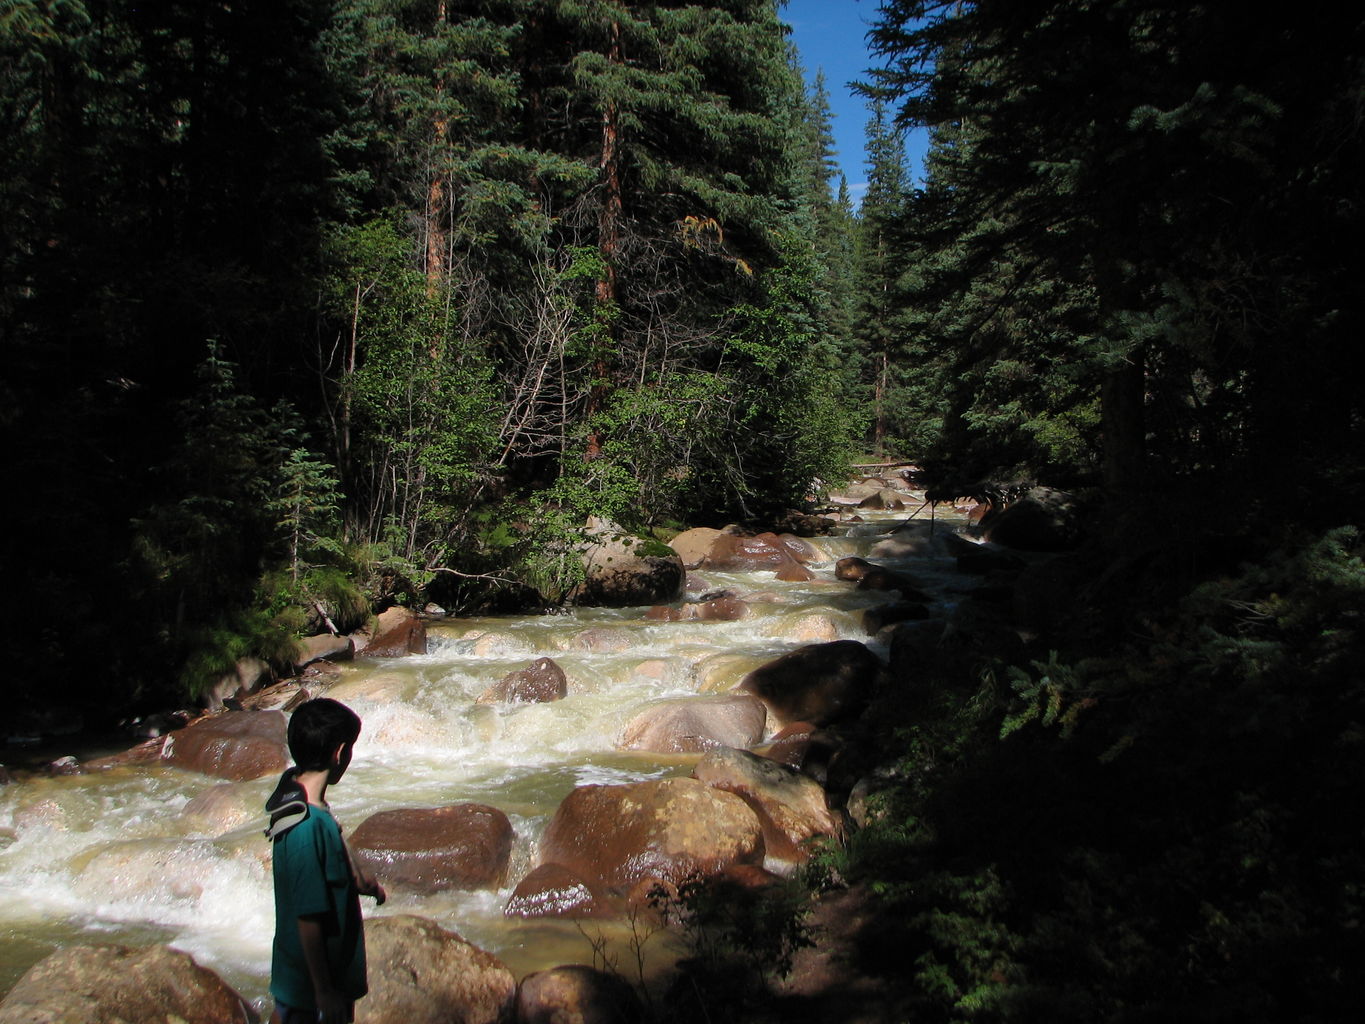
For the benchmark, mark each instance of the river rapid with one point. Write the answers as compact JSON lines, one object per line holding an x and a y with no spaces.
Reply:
{"x":111,"y":856}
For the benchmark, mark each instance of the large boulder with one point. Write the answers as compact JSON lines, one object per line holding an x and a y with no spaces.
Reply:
{"x":913,"y":648}
{"x":420,"y":973}
{"x":885,"y":499}
{"x":791,"y":806}
{"x":1045,"y":594}
{"x":818,"y":683}
{"x":853,"y":568}
{"x":692,"y":725}
{"x":694,"y":545}
{"x":552,"y":890}
{"x":540,"y":682}
{"x":988,"y":560}
{"x":981,"y":632}
{"x":1042,"y":520}
{"x":577,"y":994}
{"x":460,"y":846}
{"x":794,"y":572}
{"x":620,"y":570}
{"x":667,"y":830}
{"x":236,"y":745}
{"x":246,"y":677}
{"x":117,"y":984}
{"x":396,"y":632}
{"x":736,"y":553}
{"x":789,"y":744}
{"x":323,"y":647}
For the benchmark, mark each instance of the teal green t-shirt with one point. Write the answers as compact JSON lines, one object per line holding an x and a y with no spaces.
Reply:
{"x":313,"y":877}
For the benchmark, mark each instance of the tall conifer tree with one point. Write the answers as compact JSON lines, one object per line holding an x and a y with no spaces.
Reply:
{"x":879,"y":263}
{"x":1151,"y":164}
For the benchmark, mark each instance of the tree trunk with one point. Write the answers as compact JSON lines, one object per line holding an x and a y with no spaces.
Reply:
{"x":434,"y":215}
{"x":608,"y":243}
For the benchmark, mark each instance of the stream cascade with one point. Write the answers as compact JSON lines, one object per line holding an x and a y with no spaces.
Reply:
{"x":114,"y":856}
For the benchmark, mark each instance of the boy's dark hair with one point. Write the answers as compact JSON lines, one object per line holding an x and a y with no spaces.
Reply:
{"x":316,"y":729}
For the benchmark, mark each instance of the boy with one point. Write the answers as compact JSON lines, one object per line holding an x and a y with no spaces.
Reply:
{"x":317,"y":968}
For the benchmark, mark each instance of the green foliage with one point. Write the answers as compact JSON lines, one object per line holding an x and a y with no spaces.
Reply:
{"x":337,"y":594}
{"x":417,"y":404}
{"x":1087,"y":306}
{"x":307,"y":509}
{"x":215,"y":648}
{"x":739,"y":940}
{"x":791,"y":426}
{"x":1140,"y":827}
{"x":1047,"y":699}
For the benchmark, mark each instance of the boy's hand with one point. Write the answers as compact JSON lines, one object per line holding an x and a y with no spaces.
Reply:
{"x":368,"y":885}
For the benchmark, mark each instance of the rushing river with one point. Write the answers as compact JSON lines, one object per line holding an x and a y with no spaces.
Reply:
{"x":111,"y":857}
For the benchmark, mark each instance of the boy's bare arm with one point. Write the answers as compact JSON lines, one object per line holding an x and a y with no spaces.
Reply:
{"x":368,"y":885}
{"x":332,"y":1005}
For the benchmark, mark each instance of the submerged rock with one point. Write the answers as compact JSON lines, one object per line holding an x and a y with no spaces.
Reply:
{"x":719,"y":609}
{"x":538,"y":683}
{"x":552,"y":890}
{"x":691,"y":725}
{"x":224,"y":807}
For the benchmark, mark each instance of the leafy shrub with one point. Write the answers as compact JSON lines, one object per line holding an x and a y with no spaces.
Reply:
{"x":1148,"y":832}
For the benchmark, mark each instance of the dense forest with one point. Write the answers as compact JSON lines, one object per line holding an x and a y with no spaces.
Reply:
{"x":312,"y":303}
{"x":308,"y":305}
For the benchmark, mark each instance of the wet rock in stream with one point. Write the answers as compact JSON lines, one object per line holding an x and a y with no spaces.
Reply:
{"x":819,"y":683}
{"x":116,"y":983}
{"x":426,"y":850}
{"x":692,"y":725}
{"x":669,"y":830}
{"x":421,"y":973}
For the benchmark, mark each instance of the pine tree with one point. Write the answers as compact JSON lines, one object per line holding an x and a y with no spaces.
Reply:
{"x":879,"y":264}
{"x":832,"y":226}
{"x":1153,"y":164}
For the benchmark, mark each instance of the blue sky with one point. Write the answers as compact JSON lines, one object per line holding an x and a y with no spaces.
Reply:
{"x":830,"y":35}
